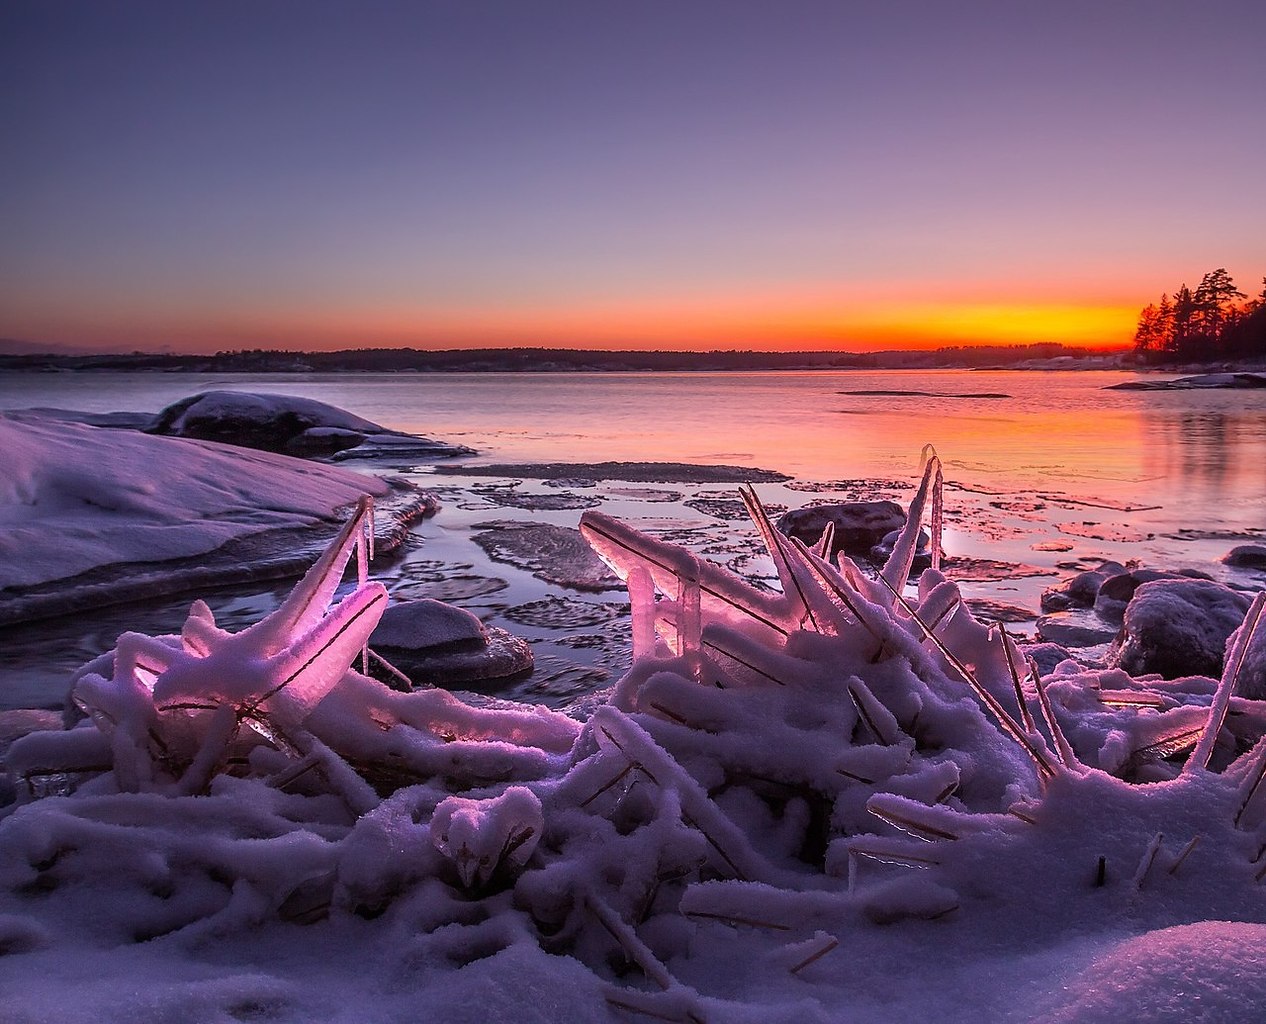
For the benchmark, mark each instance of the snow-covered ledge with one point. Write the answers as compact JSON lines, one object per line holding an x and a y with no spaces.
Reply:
{"x":91,"y":516}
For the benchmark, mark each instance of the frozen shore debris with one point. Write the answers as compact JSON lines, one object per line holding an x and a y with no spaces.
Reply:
{"x":794,"y":764}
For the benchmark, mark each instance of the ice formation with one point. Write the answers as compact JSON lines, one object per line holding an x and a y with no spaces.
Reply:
{"x":778,"y":774}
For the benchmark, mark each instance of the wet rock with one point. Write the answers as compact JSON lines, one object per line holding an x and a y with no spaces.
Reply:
{"x":630,"y":472}
{"x":1178,"y":627}
{"x":287,"y":424}
{"x":443,"y":645}
{"x":1246,"y":556}
{"x":556,"y":554}
{"x":989,"y":610}
{"x":1074,"y":628}
{"x":882,"y":551}
{"x":1081,"y":590}
{"x":510,"y":498}
{"x":1116,"y":592}
{"x":859,"y":525}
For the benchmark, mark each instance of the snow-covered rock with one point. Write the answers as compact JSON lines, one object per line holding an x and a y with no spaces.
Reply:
{"x":1178,"y":628}
{"x":1117,"y":591}
{"x":89,"y":516}
{"x":286,"y":423}
{"x":428,"y":624}
{"x":440,"y":644}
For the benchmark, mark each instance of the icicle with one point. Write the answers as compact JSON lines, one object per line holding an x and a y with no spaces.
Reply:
{"x":1199,"y":759}
{"x":938,"y":509}
{"x":689,"y":614}
{"x":1145,"y":862}
{"x":642,"y":602}
{"x":1252,"y":778}
{"x":1013,"y":656}
{"x":1062,"y":747}
{"x":823,"y":547}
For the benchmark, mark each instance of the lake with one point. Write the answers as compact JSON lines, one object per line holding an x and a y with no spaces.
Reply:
{"x":1046,"y":471}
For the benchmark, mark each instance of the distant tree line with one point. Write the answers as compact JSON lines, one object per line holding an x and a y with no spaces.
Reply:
{"x":1216,"y":321}
{"x":536,"y":360}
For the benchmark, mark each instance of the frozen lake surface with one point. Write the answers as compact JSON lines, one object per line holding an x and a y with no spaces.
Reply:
{"x":1047,"y":471}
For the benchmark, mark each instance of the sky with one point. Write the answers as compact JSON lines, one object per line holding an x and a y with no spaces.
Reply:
{"x":199,"y":176}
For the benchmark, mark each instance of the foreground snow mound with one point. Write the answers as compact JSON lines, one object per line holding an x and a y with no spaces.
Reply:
{"x":1213,"y":972}
{"x":832,"y":800}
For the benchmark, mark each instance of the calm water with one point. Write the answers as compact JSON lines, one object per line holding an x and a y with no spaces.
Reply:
{"x":1057,"y":472}
{"x":1199,"y":455}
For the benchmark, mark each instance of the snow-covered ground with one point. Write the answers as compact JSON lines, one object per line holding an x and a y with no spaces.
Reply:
{"x":796,"y":806}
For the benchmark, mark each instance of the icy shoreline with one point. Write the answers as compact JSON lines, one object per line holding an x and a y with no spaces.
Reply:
{"x":796,"y":806}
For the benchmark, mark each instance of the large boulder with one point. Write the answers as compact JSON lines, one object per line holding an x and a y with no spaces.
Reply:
{"x":859,"y":525}
{"x":1117,"y":591}
{"x":286,"y":423}
{"x":276,"y":423}
{"x":1246,"y":556}
{"x":1178,"y":627}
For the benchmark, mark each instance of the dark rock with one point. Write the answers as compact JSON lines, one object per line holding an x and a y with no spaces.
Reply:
{"x":290,"y":425}
{"x":442,"y":645}
{"x":1081,"y":590}
{"x":1116,"y":592}
{"x":428,"y":625}
{"x":882,"y":551}
{"x":1074,"y":628}
{"x":1178,"y":627}
{"x":859,"y":525}
{"x":1246,"y":556}
{"x":502,"y":657}
{"x":322,"y":441}
{"x":632,"y":472}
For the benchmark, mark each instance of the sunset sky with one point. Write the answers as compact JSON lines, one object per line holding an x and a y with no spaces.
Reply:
{"x":197,"y":176}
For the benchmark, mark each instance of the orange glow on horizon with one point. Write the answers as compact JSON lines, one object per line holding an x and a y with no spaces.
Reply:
{"x":769,"y":322}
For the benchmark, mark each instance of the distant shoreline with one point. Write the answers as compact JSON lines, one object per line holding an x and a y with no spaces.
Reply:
{"x":540,"y":360}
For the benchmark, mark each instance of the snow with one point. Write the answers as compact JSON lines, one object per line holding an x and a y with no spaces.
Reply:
{"x":837,"y":802}
{"x":75,"y":498}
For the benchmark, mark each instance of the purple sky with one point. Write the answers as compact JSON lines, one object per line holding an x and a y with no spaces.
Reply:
{"x":211,"y":175}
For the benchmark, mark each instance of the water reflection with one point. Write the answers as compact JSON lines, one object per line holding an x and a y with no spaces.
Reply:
{"x":1207,"y":455}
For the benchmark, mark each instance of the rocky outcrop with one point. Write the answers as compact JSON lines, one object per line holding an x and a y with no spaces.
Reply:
{"x":1178,"y":627}
{"x":290,"y":425}
{"x":859,"y":525}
